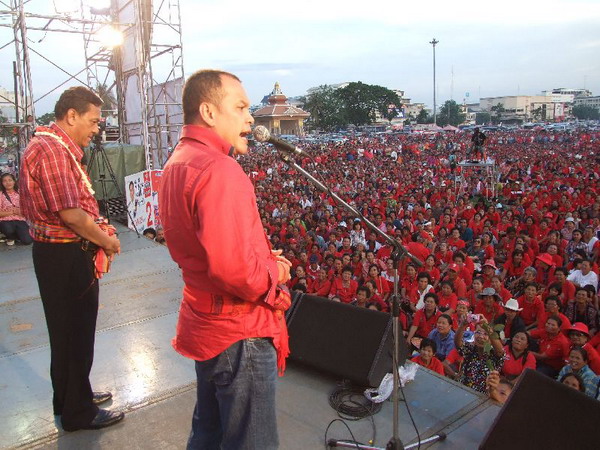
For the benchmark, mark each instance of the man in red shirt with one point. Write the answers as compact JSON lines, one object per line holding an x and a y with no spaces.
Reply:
{"x":554,"y":347}
{"x":57,"y":200}
{"x":231,"y":318}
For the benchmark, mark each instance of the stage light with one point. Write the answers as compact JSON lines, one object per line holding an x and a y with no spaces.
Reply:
{"x":109,"y":37}
{"x":66,"y":7}
{"x":100,"y":7}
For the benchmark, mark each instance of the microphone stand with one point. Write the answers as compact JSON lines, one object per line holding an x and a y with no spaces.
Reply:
{"x":398,"y":253}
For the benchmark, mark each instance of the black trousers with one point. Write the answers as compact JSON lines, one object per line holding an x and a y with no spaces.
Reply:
{"x":16,"y":230}
{"x":69,"y":292}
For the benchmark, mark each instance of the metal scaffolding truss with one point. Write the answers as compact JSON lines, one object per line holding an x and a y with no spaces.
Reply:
{"x":144,"y":75}
{"x":477,"y":177}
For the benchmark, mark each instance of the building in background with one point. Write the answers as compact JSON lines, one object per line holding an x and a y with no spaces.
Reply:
{"x":591,"y":101}
{"x":7,"y":104}
{"x":279,"y":116}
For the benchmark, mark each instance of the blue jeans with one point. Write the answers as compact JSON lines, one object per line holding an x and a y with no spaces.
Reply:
{"x":235,"y":407}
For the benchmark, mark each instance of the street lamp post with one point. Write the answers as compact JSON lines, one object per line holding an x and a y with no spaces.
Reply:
{"x":433,"y":42}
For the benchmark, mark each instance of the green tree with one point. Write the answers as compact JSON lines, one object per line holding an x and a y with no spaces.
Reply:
{"x":325,"y":108}
{"x":105,"y":93}
{"x":423,"y":117}
{"x":363,"y":101}
{"x":537,"y":113}
{"x":46,"y":118}
{"x":585,"y":112}
{"x":498,"y":109}
{"x":450,"y":114}
{"x":481,"y":118}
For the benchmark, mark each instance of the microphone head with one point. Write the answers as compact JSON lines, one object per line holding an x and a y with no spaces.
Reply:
{"x":261,"y":134}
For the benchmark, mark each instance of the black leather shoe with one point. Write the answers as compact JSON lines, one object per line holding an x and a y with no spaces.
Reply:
{"x":105,"y":418}
{"x":101,"y":397}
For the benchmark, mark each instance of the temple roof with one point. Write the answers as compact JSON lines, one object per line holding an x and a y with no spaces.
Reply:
{"x":278,"y":106}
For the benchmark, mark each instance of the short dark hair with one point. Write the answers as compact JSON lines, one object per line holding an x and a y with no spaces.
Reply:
{"x":426,"y":342}
{"x":6,"y":175}
{"x":202,"y":86}
{"x":78,"y":98}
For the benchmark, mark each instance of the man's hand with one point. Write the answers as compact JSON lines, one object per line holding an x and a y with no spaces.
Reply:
{"x":283,"y":267}
{"x":113,"y":246}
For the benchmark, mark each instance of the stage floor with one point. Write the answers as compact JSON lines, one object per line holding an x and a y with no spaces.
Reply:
{"x":139,"y":301}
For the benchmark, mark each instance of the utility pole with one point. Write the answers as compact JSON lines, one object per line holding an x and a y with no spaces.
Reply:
{"x":433,"y":43}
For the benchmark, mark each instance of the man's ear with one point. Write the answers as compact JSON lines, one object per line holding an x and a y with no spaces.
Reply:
{"x":207,"y":113}
{"x":71,"y":116}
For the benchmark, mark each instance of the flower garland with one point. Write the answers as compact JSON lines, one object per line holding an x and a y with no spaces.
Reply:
{"x":44,"y":131}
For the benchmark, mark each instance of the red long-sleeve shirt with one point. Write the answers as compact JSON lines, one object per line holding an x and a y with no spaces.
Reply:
{"x":213,"y":229}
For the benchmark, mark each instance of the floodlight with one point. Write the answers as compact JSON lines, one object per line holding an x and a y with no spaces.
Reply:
{"x":100,"y":7}
{"x":109,"y":37}
{"x":66,"y":7}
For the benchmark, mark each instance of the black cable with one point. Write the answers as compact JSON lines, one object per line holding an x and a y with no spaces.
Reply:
{"x":410,"y":415}
{"x":351,"y":404}
{"x":353,"y":441}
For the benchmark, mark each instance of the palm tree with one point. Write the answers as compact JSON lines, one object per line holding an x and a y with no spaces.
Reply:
{"x":104,"y":92}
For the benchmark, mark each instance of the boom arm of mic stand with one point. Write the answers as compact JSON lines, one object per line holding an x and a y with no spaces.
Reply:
{"x":399,"y":248}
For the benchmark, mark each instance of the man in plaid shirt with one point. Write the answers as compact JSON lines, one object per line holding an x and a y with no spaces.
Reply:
{"x":58,"y":202}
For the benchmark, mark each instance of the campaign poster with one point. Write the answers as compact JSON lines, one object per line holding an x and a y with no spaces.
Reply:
{"x":141,"y":195}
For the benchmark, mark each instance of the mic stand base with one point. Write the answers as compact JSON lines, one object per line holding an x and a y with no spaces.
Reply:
{"x":391,"y":445}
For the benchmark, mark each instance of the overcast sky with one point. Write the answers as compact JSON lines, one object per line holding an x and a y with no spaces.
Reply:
{"x":493,"y":48}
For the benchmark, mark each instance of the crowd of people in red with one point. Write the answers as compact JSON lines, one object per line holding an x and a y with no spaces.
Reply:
{"x":526,"y":258}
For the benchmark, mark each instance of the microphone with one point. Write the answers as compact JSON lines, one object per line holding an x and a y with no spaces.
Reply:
{"x":261,"y":134}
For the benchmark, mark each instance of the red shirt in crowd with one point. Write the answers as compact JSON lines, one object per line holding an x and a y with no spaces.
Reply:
{"x":321,"y":288}
{"x":345,"y":294}
{"x":425,"y":325}
{"x":495,"y":311}
{"x":531,"y":310}
{"x":513,"y":367}
{"x":556,"y":348}
{"x":434,"y":365}
{"x":211,"y":222}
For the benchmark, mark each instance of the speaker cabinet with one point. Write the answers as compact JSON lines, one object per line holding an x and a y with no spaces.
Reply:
{"x":341,"y":339}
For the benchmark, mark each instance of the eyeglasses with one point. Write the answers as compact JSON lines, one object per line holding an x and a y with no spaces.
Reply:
{"x":576,"y":334}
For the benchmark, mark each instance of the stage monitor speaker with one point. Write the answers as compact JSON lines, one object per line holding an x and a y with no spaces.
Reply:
{"x":344,"y":340}
{"x":542,"y":413}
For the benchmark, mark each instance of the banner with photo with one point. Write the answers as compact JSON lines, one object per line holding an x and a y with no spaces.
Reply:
{"x":141,"y":195}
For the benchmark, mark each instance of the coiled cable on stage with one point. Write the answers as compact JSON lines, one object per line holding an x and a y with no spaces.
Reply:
{"x":351,"y":403}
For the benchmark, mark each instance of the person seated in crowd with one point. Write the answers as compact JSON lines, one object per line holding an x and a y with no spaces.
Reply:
{"x":489,"y":305}
{"x":518,"y":357}
{"x":443,"y":336}
{"x":579,"y":336}
{"x":12,"y":223}
{"x":375,"y":299}
{"x":552,"y":308}
{"x":531,"y":305}
{"x":584,"y":276}
{"x":573,"y":381}
{"x":511,"y":320}
{"x":473,"y":293}
{"x":581,"y":310}
{"x":344,"y":288}
{"x":518,"y":287}
{"x":425,"y":320}
{"x":567,"y":288}
{"x":553,"y":347}
{"x":430,"y":268}
{"x":383,"y":287}
{"x":578,"y":364}
{"x":497,"y":285}
{"x":322,"y":285}
{"x":362,"y":297}
{"x":417,"y":296}
{"x":498,"y":388}
{"x":149,"y":233}
{"x":447,"y":298}
{"x":160,"y":236}
{"x":427,"y":358}
{"x":477,"y":363}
